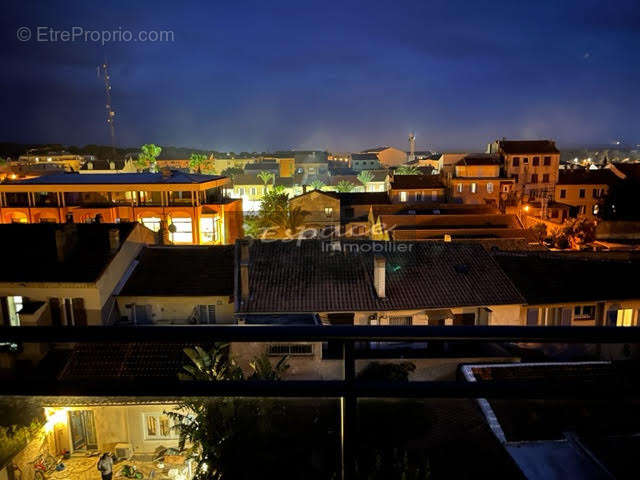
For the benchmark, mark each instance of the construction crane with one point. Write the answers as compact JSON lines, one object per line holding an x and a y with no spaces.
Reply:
{"x":103,"y":71}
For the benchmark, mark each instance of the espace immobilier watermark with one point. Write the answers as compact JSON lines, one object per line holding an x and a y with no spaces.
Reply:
{"x":43,"y":34}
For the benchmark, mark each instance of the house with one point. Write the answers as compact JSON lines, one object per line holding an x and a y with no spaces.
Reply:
{"x":312,"y":165}
{"x":584,"y":190}
{"x":388,"y":156}
{"x":66,"y":274}
{"x":286,"y":162}
{"x":579,"y":289}
{"x":220,"y":164}
{"x":191,"y":205}
{"x":250,"y":188}
{"x":108,"y":166}
{"x":533,"y":165}
{"x":416,"y":188}
{"x":61,"y":159}
{"x":364,"y":161}
{"x":477,"y":179}
{"x":379,"y":182}
{"x":322,"y":211}
{"x":448,"y":161}
{"x":179,"y":285}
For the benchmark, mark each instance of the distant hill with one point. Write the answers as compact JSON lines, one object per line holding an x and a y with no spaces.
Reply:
{"x":14,"y":150}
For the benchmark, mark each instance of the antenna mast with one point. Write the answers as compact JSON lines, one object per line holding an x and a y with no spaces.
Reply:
{"x":104,"y":70}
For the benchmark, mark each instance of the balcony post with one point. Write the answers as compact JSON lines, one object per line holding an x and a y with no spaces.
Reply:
{"x":348,"y":411}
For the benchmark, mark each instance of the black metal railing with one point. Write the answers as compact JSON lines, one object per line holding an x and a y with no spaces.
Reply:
{"x":348,"y":390}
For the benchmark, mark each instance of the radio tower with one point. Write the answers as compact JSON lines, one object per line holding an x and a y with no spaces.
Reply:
{"x":104,"y":71}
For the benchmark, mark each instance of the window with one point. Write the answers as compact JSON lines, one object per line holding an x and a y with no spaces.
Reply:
{"x":582,"y":193}
{"x":152,"y":223}
{"x":240,"y":191}
{"x":596,"y":209}
{"x":158,"y":426}
{"x":536,"y":161}
{"x":584,"y":312}
{"x":434,"y":195}
{"x":516,"y":161}
{"x":582,"y":209}
{"x":206,"y":314}
{"x":418,"y":196}
{"x":15,"y":304}
{"x":516,"y":178}
{"x":474,"y":187}
{"x":525,"y":160}
{"x":291,"y":349}
{"x":253,"y":190}
{"x":624,"y":318}
{"x":401,"y":321}
{"x":489,"y":187}
{"x":459,"y":188}
{"x":181,"y":230}
{"x":209,"y":227}
{"x":534,"y":178}
{"x":547,"y":161}
{"x":563,"y":193}
{"x":328,"y":211}
{"x":403,"y":196}
{"x":532,"y":316}
{"x":545,"y":178}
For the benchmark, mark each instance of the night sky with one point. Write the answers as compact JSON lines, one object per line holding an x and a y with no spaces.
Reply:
{"x":254,"y":76}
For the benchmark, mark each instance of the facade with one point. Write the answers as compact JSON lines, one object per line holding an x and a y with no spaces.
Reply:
{"x":251,"y":189}
{"x":323,"y":211}
{"x":312,"y":165}
{"x":477,"y":179}
{"x":364,"y":161}
{"x":286,"y":163}
{"x":416,"y":189}
{"x":223,"y":163}
{"x":66,"y":274}
{"x":193,"y":206}
{"x":533,"y":165}
{"x":388,"y":156}
{"x":584,"y":190}
{"x":64,"y":160}
{"x":173,"y":285}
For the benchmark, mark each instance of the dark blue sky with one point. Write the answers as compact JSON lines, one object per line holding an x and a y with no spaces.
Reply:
{"x":338,"y":75}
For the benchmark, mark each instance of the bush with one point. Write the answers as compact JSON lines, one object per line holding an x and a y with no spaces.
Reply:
{"x":387,"y":372}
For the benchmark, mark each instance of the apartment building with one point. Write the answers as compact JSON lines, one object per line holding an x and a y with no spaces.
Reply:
{"x":364,"y":161}
{"x":192,"y":206}
{"x":66,"y":274}
{"x":584,"y":190}
{"x":533,"y":165}
{"x":478,"y":179}
{"x":416,"y":189}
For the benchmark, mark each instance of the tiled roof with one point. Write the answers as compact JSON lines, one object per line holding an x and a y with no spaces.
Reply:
{"x":363,"y":198}
{"x":364,"y":156}
{"x":630,"y":169}
{"x":117,"y":179}
{"x":528,"y":146}
{"x":304,"y":277}
{"x":480,"y":159}
{"x":31,"y":253}
{"x":557,"y":277}
{"x":376,"y":149}
{"x":408,"y":182}
{"x":183,"y":271}
{"x":587,"y":177}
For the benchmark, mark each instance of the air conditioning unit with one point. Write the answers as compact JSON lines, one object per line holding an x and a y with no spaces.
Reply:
{"x":123,"y":451}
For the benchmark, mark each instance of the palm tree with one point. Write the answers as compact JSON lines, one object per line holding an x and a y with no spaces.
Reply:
{"x":212,"y":365}
{"x":266,"y":177}
{"x":196,"y":162}
{"x":344,"y":186}
{"x":147,"y":158}
{"x":407,"y":170}
{"x":290,"y":220}
{"x":318,"y":184}
{"x":365,"y":177}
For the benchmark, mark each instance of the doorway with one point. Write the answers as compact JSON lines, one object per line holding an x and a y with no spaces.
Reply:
{"x":83,"y":430}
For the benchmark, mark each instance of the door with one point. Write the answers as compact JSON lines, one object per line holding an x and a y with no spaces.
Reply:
{"x":83,"y":430}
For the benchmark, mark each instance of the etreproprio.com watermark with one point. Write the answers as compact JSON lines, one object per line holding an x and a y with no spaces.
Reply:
{"x":44,"y":34}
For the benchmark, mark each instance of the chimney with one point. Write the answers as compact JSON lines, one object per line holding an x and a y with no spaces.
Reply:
{"x":114,"y":240}
{"x":244,"y":270}
{"x":379,"y":263}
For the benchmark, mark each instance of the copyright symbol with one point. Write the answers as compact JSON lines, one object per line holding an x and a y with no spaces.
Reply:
{"x":23,"y":34}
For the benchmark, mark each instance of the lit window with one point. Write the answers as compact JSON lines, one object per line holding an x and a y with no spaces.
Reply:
{"x":158,"y":426}
{"x":403,"y":196}
{"x":625,"y":318}
{"x":490,"y":187}
{"x":474,"y":187}
{"x":181,"y":230}
{"x":253,"y":190}
{"x":152,"y":223}
{"x":209,"y":229}
{"x":459,"y":188}
{"x":328,"y":211}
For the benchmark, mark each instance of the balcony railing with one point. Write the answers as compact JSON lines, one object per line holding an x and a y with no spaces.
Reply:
{"x":348,"y":390}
